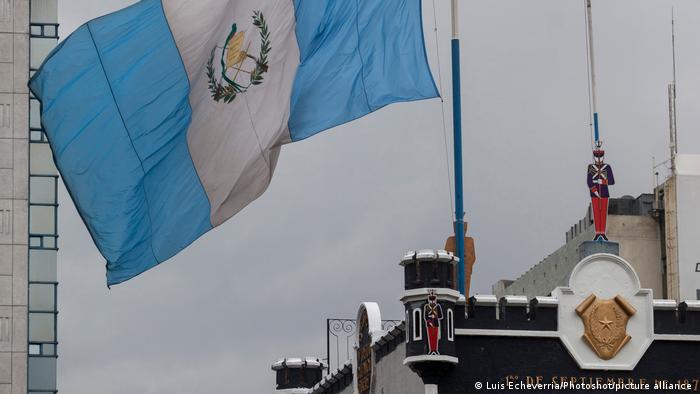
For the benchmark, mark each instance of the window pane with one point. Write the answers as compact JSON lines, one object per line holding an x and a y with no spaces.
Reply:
{"x":49,"y":349}
{"x":41,"y":160}
{"x":42,"y":373}
{"x":40,"y":47}
{"x":35,"y":242}
{"x":34,"y":114}
{"x":42,"y":265}
{"x":44,"y":11}
{"x":34,"y":349}
{"x":41,"y":297}
{"x":36,"y":135}
{"x":43,"y":190}
{"x":42,"y":220}
{"x":41,"y":327}
{"x":49,"y":242}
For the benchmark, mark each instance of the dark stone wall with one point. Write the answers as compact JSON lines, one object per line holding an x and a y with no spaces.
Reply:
{"x":679,"y":321}
{"x":289,"y":378}
{"x":429,"y":274}
{"x":497,"y":360}
{"x":510,"y":317}
{"x":336,"y":383}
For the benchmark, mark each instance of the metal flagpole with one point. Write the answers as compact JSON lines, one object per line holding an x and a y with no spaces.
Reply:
{"x":591,"y":58}
{"x":457,"y":125}
{"x":673,"y":141}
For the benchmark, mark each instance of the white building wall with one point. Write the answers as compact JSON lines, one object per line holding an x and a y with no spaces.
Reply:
{"x":394,"y":377}
{"x":640,"y":245}
{"x":688,"y":222}
{"x":14,"y":161}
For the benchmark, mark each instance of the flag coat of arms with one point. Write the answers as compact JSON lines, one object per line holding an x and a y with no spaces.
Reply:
{"x":166,"y":118}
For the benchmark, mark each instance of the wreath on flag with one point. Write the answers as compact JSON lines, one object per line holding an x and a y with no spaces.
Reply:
{"x":233,"y":56}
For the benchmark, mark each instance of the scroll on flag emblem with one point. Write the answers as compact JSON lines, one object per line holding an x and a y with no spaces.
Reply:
{"x":166,"y":118}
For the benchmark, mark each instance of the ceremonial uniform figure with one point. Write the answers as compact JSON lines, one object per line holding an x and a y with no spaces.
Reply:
{"x":600,"y":176}
{"x":432,"y":314}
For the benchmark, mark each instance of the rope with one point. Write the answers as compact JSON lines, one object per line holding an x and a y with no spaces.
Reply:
{"x":442,"y":107}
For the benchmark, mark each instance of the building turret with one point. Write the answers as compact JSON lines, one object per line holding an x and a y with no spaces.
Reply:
{"x":429,"y":300}
{"x":297,"y":375}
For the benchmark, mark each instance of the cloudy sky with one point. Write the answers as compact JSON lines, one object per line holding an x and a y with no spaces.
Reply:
{"x":345,"y":205}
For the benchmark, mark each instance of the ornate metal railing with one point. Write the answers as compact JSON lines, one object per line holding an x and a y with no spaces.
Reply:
{"x":339,"y":339}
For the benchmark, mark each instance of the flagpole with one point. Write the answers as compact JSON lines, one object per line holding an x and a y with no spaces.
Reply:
{"x":672,"y":99}
{"x":457,"y":125}
{"x":591,"y":59}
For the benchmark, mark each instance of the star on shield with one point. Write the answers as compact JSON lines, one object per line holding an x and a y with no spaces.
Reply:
{"x":605,"y":324}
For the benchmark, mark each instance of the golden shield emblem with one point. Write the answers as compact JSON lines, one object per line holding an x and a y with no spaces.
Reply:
{"x":605,"y":324}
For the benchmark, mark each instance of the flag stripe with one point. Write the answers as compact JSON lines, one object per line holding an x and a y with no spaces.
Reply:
{"x":121,"y":144}
{"x":382,"y":39}
{"x":235,"y":144}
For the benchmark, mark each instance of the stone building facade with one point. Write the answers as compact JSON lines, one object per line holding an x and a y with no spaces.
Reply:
{"x":601,"y":331}
{"x":28,"y":178}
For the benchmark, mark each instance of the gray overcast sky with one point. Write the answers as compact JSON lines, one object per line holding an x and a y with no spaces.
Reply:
{"x":345,"y":205}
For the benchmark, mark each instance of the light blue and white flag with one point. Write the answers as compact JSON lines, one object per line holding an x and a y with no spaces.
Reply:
{"x":166,"y":118}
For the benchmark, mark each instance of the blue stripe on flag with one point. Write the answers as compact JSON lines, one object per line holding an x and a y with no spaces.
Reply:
{"x":356,"y":57}
{"x":116,"y":111}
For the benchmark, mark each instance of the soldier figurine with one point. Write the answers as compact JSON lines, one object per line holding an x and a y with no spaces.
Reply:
{"x":600,"y":176}
{"x":432,"y":314}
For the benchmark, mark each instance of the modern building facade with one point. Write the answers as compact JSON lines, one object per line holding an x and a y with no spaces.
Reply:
{"x":28,"y":205}
{"x":680,"y":225}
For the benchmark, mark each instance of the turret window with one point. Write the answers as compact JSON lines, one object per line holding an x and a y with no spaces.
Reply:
{"x":450,"y":325}
{"x":417,"y":326}
{"x":408,"y":322}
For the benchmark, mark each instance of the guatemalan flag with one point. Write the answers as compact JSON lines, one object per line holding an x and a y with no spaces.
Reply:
{"x":166,"y":118}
